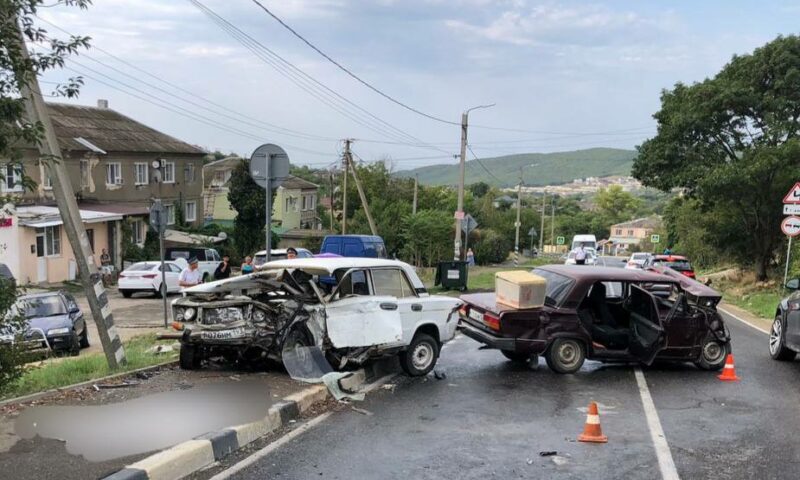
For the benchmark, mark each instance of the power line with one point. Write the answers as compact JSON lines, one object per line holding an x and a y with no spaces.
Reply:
{"x":292,"y":73}
{"x":350,"y":73}
{"x":482,"y":165}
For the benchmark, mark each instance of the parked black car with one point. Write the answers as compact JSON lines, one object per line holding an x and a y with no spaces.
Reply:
{"x":57,"y":316}
{"x":784,"y":336}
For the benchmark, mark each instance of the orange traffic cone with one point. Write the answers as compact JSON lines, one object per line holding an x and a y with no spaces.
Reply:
{"x":592,"y":431}
{"x":729,"y":372}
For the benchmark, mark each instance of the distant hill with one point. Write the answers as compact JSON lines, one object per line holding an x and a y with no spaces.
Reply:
{"x":552,"y":168}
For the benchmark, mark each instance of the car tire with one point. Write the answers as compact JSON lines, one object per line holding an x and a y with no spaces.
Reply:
{"x":777,"y":346}
{"x":126,"y":293}
{"x":190,"y":357}
{"x":713,"y":354}
{"x":84,"y":342}
{"x":565,"y":355}
{"x":516,"y":357}
{"x":161,"y":292}
{"x":420,"y":356}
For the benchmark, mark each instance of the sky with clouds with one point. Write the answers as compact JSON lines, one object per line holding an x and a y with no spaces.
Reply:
{"x":564,"y":75}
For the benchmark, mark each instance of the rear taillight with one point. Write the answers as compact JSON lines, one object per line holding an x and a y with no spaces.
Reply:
{"x":689,"y":274}
{"x":464,"y":310}
{"x":491,"y":321}
{"x":149,"y":275}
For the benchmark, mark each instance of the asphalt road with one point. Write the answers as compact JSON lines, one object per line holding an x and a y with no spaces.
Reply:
{"x":490,"y":418}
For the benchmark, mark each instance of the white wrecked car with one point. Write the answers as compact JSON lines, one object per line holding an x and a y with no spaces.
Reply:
{"x":350,"y":309}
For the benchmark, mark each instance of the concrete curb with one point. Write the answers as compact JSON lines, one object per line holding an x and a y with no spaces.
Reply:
{"x":36,"y":396}
{"x":190,"y":456}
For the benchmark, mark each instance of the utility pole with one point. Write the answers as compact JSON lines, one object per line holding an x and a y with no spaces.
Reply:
{"x":331,"y":197}
{"x":161,"y":165}
{"x":416,"y":186}
{"x":553,"y":219}
{"x":361,"y":194}
{"x":461,"y":169}
{"x":518,"y":224}
{"x":344,"y":186}
{"x":36,"y":111}
{"x":541,"y":231}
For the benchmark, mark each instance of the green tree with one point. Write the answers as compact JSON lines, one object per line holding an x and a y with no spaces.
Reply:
{"x":615,"y":204}
{"x":492,"y":247}
{"x":248,"y":199}
{"x":731,"y":142}
{"x":479,"y":189}
{"x":17,"y":73}
{"x":427,"y":237}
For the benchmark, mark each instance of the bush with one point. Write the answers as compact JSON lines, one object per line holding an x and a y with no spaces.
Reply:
{"x":492,"y":247}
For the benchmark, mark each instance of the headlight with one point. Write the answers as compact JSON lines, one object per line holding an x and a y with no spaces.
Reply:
{"x":259,"y":315}
{"x":58,"y":331}
{"x":188,"y":314}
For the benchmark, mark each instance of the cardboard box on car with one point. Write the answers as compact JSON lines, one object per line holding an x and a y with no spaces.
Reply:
{"x":519,"y":289}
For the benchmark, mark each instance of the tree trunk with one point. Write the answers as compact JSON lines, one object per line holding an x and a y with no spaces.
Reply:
{"x":762,"y":263}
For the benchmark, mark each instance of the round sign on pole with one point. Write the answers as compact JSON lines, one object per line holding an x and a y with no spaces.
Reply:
{"x":791,"y":226}
{"x":269,"y":162}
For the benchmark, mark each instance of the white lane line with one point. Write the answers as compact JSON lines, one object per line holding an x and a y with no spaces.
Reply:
{"x":743,"y":321}
{"x":271,"y":447}
{"x":236,"y":468}
{"x":665,"y":462}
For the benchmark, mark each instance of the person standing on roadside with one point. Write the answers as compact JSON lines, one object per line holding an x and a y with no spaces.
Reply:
{"x":223,"y":269}
{"x":191,"y":275}
{"x":580,"y":256}
{"x":291,"y":253}
{"x":247,"y":266}
{"x":470,"y":258}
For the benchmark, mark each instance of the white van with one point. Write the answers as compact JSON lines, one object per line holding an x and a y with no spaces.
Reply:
{"x":587,"y":241}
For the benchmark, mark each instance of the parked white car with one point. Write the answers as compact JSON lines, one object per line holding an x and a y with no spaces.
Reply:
{"x":636,"y":262}
{"x":278,"y":254}
{"x":146,"y":277}
{"x":591,"y":258}
{"x":375,"y":308}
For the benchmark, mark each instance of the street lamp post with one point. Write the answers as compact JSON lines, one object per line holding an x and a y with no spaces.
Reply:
{"x":462,"y":167}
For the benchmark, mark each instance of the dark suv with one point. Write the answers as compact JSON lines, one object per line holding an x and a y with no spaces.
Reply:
{"x":784,"y":336}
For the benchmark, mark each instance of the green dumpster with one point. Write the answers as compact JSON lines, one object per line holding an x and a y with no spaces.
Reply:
{"x":452,"y":275}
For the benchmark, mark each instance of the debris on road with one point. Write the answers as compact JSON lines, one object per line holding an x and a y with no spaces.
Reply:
{"x":439,"y":374}
{"x":548,"y":453}
{"x":389,"y":386}
{"x":97,"y":386}
{"x":361,"y":411}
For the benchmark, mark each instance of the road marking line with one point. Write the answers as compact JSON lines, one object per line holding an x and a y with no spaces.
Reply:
{"x":665,"y":462}
{"x":743,"y":321}
{"x":271,"y":447}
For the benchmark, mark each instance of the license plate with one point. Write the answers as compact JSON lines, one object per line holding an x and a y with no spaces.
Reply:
{"x":223,"y":334}
{"x":476,"y":315}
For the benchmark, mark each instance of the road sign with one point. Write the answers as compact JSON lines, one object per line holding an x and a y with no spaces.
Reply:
{"x":560,"y":240}
{"x":655,"y":238}
{"x":532,"y":232}
{"x":269,"y":161}
{"x":459,"y":215}
{"x":468,"y":224}
{"x":791,"y":226}
{"x":791,"y":209}
{"x":158,"y":220}
{"x":794,"y":194}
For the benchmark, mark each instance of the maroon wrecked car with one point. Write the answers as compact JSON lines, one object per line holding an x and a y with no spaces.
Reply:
{"x":605,"y":314}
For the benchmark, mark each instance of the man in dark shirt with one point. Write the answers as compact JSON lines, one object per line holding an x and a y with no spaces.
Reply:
{"x":223,"y":269}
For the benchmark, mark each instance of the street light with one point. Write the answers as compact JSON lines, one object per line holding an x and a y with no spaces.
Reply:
{"x":462,"y":167}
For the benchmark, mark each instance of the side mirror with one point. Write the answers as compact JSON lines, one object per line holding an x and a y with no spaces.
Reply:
{"x":793,"y":284}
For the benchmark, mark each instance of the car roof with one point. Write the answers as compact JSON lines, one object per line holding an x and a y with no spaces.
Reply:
{"x":39,"y":295}
{"x":670,"y":258}
{"x":594,"y":274}
{"x":364,"y":237}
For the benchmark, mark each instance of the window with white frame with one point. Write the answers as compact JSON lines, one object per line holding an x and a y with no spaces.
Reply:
{"x":188,"y":173}
{"x":169,"y":211}
{"x":141,"y":172}
{"x":190,"y":213}
{"x":169,"y":172}
{"x":138,"y":232}
{"x":52,"y":240}
{"x":113,"y":173}
{"x":12,"y":178}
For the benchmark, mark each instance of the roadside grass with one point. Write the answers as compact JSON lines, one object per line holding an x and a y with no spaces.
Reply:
{"x":481,"y":278}
{"x":761,"y":303}
{"x":64,"y":371}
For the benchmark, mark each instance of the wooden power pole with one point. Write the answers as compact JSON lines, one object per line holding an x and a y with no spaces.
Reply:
{"x":349,"y":159}
{"x":70,"y":215}
{"x":416,"y":186}
{"x":345,"y":173}
{"x":518,"y":224}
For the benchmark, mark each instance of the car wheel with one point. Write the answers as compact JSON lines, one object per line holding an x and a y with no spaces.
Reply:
{"x":126,"y":293}
{"x":713,"y":354}
{"x":516,"y":356}
{"x":777,"y":347}
{"x":161,"y":292}
{"x":420,"y":356}
{"x":190,"y":357}
{"x":74,"y":344}
{"x":565,"y":355}
{"x":85,"y":337}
